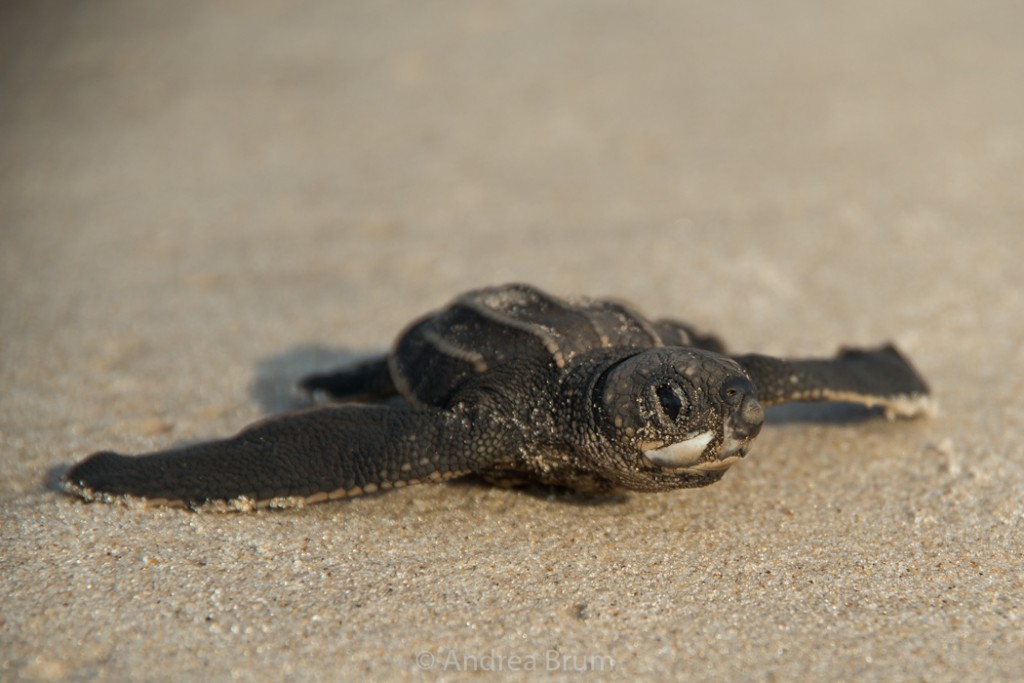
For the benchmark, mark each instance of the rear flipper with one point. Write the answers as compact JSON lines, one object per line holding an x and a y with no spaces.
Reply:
{"x":877,"y":377}
{"x":676,"y":333}
{"x":295,"y":459}
{"x":366,"y":381}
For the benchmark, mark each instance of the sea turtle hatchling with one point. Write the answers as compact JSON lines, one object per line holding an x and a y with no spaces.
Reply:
{"x":517,"y":386}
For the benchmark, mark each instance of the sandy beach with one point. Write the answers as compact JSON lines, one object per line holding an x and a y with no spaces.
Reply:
{"x":200,"y":202}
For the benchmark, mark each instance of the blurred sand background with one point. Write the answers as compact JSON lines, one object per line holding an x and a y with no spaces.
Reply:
{"x":201,"y":201}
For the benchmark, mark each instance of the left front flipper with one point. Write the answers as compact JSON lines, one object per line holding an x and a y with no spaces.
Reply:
{"x":298,"y":458}
{"x":876,"y":377}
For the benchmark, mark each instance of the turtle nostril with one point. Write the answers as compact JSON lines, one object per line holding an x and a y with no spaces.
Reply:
{"x":752,"y":415}
{"x":752,"y":410}
{"x":754,"y":429}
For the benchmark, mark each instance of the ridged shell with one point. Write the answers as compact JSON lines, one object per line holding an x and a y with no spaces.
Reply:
{"x":494,"y":327}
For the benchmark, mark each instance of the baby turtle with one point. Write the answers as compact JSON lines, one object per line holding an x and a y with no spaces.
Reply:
{"x":517,"y":386}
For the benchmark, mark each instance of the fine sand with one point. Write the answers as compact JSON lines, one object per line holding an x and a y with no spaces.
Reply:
{"x":201,"y":201}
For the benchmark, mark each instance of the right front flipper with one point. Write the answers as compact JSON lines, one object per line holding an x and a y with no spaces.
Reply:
{"x":297,"y":458}
{"x":872,"y":377}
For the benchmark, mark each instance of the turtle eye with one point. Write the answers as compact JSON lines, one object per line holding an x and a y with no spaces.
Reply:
{"x":670,"y":400}
{"x":736,"y":389}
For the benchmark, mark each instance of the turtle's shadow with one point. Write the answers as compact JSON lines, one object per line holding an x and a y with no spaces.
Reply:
{"x":275,"y":383}
{"x":557,"y":494}
{"x":52,"y":478}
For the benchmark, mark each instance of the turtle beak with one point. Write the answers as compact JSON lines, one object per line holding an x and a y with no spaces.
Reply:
{"x":681,"y":453}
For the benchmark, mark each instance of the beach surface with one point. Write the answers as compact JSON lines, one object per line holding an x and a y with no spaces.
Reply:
{"x":202,"y":201}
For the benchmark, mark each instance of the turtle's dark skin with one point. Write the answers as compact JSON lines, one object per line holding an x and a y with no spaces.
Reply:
{"x":517,"y":386}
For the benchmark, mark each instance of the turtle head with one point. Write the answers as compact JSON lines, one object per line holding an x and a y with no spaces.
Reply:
{"x":679,"y":416}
